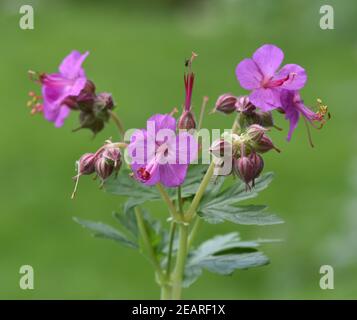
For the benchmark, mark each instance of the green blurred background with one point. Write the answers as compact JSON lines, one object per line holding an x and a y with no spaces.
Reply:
{"x":137,"y":53}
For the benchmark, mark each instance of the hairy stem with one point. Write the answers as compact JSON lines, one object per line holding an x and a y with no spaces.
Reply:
{"x":180,"y":263}
{"x":202,"y":112}
{"x":193,"y":232}
{"x":171,"y":243}
{"x":118,"y":123}
{"x":170,"y":204}
{"x":179,"y":200}
{"x":200,"y":192}
{"x":166,"y":292}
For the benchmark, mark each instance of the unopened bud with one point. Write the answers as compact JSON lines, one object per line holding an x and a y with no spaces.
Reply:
{"x":265,"y":144}
{"x":258,"y":163}
{"x":89,"y":87}
{"x":265,"y":119}
{"x":187,"y":121}
{"x":221,"y":147}
{"x":104,"y":100}
{"x":113,"y":155}
{"x":244,"y":106}
{"x":255,"y":132}
{"x":226,"y":103}
{"x":244,"y":168}
{"x":86,"y":164}
{"x":103,"y":168}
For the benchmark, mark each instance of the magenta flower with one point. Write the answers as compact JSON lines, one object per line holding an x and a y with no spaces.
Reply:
{"x":159,"y":155}
{"x":56,"y":87}
{"x":261,"y":75}
{"x":293,"y":107}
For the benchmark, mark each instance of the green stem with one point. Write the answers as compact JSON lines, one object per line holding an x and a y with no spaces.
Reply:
{"x":171,"y":242}
{"x":179,"y":200}
{"x":118,"y":123}
{"x":199,"y":194}
{"x":180,"y":263}
{"x":146,"y":241}
{"x":166,"y":292}
{"x":193,"y":232}
{"x":236,"y":125}
{"x":202,"y":112}
{"x":169,"y":203}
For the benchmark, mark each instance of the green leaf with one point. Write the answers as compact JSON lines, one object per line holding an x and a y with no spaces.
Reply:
{"x":227,"y":264}
{"x":125,"y":185}
{"x":158,"y":236}
{"x":128,"y":221}
{"x":245,"y":215}
{"x":237,"y":192}
{"x":102,"y":230}
{"x":217,"y":208}
{"x":223,"y":254}
{"x":137,"y":193}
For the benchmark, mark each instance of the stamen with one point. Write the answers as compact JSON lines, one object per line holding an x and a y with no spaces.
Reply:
{"x":144,"y":174}
{"x":34,"y":103}
{"x":308,"y":132}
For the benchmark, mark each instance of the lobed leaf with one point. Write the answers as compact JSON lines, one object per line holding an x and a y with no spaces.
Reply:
{"x":99,"y":229}
{"x":223,"y":254}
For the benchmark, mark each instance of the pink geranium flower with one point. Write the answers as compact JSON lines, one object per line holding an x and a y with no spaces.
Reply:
{"x":260,"y":74}
{"x":159,"y":155}
{"x":56,"y":87}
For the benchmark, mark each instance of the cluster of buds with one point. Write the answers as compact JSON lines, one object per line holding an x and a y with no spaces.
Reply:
{"x":105,"y":162}
{"x":94,"y":109}
{"x":228,"y":103}
{"x":243,"y":152}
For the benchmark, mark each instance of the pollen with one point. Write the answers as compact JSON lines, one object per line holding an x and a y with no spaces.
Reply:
{"x":35,"y":103}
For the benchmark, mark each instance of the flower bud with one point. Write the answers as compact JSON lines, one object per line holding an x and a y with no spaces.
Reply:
{"x":244,"y":106}
{"x":244,"y":168}
{"x":265,"y":119}
{"x":226,"y":103}
{"x":255,"y":132}
{"x":258,"y":163}
{"x":89,"y":87}
{"x":187,"y":121}
{"x":86,"y":164}
{"x":221,"y":147}
{"x":104,"y":100}
{"x":265,"y":144}
{"x":103,"y":168}
{"x":113,"y":156}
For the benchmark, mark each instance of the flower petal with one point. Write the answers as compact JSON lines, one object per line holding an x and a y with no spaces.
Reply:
{"x":248,"y":74}
{"x":71,"y":66}
{"x":297,"y":76}
{"x":291,"y":112}
{"x":63,"y":113}
{"x":154,"y":174}
{"x":266,"y":99}
{"x":137,"y":149}
{"x":163,"y":121}
{"x":76,"y":87}
{"x":173,"y":175}
{"x":268,"y":58}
